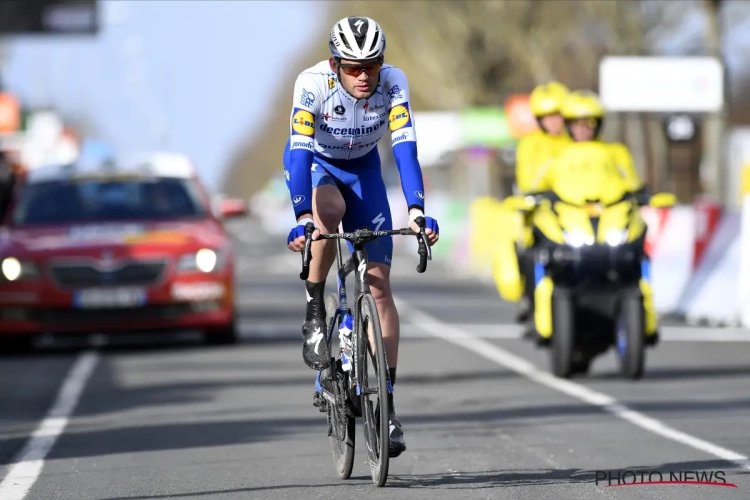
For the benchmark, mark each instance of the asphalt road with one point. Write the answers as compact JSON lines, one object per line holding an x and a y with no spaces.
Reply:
{"x":481,"y":417}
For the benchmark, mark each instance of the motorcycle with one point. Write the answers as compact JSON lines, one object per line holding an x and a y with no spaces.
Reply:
{"x":591,"y":273}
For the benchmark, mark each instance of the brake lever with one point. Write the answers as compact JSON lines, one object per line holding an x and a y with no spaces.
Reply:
{"x":306,"y":254}
{"x":424,"y":250}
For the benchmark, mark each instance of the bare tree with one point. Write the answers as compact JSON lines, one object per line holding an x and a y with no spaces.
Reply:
{"x":459,"y":54}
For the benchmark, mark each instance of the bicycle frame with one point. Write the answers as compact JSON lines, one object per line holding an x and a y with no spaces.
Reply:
{"x":357,"y":262}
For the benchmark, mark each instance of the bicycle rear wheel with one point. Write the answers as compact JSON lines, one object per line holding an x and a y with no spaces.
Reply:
{"x":340,"y":425}
{"x":375,"y":418}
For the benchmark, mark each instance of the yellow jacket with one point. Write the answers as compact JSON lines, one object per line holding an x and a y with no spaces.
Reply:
{"x":585,"y":170}
{"x":624,"y":162}
{"x":615,"y":156}
{"x":533,"y":155}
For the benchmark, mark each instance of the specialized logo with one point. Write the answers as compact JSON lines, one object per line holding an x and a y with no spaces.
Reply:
{"x":358,"y":25}
{"x":298,"y":199}
{"x":362,"y":268}
{"x":399,"y":117}
{"x":372,"y":109}
{"x":331,"y":83}
{"x":317,"y":336}
{"x":378,"y":220}
{"x":303,"y":122}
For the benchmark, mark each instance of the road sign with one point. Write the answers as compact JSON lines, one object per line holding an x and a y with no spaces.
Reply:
{"x":662,"y":84}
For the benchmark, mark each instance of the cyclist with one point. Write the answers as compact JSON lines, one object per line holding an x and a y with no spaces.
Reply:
{"x":532,"y":153}
{"x":342,"y":108}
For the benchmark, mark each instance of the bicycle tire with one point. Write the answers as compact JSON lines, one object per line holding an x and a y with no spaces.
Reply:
{"x":375,"y":426}
{"x":342,"y":426}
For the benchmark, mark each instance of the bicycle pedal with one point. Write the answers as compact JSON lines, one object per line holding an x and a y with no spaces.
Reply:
{"x":320,"y":403}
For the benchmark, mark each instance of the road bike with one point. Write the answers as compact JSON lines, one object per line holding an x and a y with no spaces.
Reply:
{"x":345,"y":391}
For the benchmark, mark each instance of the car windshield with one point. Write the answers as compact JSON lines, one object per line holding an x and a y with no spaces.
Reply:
{"x":62,"y":202}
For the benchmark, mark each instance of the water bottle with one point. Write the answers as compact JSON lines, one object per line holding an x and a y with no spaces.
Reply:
{"x":345,"y":341}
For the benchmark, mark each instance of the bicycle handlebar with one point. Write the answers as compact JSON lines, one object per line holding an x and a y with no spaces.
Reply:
{"x":306,"y":254}
{"x":364,"y":235}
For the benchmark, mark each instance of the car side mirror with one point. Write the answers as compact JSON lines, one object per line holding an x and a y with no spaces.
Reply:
{"x":231,"y":208}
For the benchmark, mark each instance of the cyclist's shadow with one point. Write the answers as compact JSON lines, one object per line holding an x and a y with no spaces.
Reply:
{"x":492,"y":479}
{"x":540,"y":477}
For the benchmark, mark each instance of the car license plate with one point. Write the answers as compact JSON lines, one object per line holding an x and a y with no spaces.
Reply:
{"x":93,"y":298}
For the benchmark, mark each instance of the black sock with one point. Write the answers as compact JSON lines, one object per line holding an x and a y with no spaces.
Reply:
{"x":316,"y":307}
{"x":392,"y":374}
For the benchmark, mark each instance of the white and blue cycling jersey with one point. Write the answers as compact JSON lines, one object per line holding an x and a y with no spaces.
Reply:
{"x":333,"y":140}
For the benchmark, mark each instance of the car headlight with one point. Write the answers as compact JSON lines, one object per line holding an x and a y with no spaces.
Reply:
{"x":15,"y":270}
{"x":617,"y":237}
{"x":577,"y":239}
{"x":204,"y":260}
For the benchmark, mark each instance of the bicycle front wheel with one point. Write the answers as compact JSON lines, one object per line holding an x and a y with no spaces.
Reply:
{"x":341,"y":425}
{"x":372,"y":370}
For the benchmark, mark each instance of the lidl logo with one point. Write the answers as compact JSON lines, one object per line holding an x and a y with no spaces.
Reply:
{"x":399,"y":117}
{"x":303,"y":122}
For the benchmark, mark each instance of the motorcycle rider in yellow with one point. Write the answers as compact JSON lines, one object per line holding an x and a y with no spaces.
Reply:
{"x":539,"y":147}
{"x":532,"y":155}
{"x":584,"y":116}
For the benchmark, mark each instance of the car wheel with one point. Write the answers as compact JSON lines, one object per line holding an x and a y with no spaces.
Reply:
{"x":16,"y":344}
{"x":226,"y":335}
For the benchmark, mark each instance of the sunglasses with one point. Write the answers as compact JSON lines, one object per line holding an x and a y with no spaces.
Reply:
{"x":371,"y":69}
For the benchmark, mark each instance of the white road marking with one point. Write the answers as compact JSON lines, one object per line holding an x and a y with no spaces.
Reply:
{"x":523,"y":367}
{"x":27,"y":466}
{"x":501,"y":331}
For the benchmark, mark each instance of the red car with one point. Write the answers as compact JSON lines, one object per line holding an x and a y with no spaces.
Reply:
{"x":110,"y":248}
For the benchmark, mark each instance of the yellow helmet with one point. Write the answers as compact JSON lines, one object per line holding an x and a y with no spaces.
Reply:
{"x":547,"y":98}
{"x":582,"y":104}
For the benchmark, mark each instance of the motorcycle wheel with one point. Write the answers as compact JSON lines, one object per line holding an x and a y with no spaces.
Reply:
{"x":631,"y":347}
{"x":563,"y":336}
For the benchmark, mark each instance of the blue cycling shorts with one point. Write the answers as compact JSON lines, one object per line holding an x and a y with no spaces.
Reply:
{"x":361,"y":184}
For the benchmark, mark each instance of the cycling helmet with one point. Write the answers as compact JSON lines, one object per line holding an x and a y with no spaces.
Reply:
{"x":582,"y":104}
{"x":547,"y":98}
{"x":357,"y":38}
